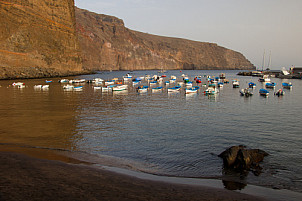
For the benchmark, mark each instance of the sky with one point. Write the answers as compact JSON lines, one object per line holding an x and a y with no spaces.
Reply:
{"x":251,"y":27}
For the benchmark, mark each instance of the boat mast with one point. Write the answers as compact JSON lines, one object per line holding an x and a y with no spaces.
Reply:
{"x":263,"y":61}
{"x":270,"y":60}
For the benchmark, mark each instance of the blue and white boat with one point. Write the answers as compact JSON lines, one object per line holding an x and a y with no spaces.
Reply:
{"x":157,"y":89}
{"x":263,"y":92}
{"x":235,"y":83}
{"x":287,"y":85}
{"x":252,"y":85}
{"x":142,"y":89}
{"x":271,"y":85}
{"x":153,"y":83}
{"x":220,"y":84}
{"x":192,"y":90}
{"x":174,"y":89}
{"x":79,"y":88}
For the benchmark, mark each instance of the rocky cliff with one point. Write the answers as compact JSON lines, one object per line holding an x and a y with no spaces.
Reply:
{"x":108,"y":45}
{"x":38,"y":38}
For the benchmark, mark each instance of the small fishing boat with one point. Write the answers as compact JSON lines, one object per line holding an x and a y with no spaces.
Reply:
{"x":153,"y":83}
{"x":79,"y":88}
{"x":220,"y":84}
{"x":191,"y":90}
{"x":172,"y":80}
{"x":263,"y":92}
{"x":120,"y":88}
{"x":45,"y":87}
{"x":109,"y":82}
{"x":174,"y":89}
{"x":211,"y":91}
{"x":246,"y":92}
{"x":287,"y":85}
{"x":142,"y":89}
{"x":48,"y":81}
{"x":270,"y":85}
{"x":222,"y":75}
{"x":135,"y":82}
{"x":107,"y":88}
{"x":167,"y":82}
{"x":38,"y":86}
{"x":97,"y":88}
{"x":198,"y":80}
{"x":18,"y":83}
{"x":252,"y":85}
{"x":157,"y":89}
{"x":189,"y":84}
{"x":280,"y":92}
{"x":264,"y":78}
{"x":235,"y":84}
{"x":64,"y":81}
{"x":68,"y":87}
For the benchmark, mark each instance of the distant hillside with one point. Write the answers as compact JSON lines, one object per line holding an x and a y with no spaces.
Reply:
{"x":108,"y":45}
{"x":38,"y":38}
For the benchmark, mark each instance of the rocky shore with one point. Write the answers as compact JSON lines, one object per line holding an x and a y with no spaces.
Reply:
{"x":27,"y":178}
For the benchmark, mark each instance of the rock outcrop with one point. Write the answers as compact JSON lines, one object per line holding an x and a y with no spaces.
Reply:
{"x":242,"y":159}
{"x":108,"y":45}
{"x":38,"y":34}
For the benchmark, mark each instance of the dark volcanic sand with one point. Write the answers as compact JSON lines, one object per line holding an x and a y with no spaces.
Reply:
{"x":26,"y":178}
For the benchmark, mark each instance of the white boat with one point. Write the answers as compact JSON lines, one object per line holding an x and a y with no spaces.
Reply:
{"x":174,"y":89}
{"x":64,"y":81}
{"x":211,"y":91}
{"x":142,"y":89}
{"x":264,"y":78}
{"x":97,"y":88}
{"x":18,"y":83}
{"x":107,"y":88}
{"x":245,"y":92}
{"x":45,"y":87}
{"x":120,"y":88}
{"x":110,"y":82}
{"x":191,"y":90}
{"x":235,"y":84}
{"x":68,"y":87}
{"x":157,"y":89}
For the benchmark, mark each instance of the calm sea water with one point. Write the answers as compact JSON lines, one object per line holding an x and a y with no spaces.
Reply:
{"x":165,"y":134}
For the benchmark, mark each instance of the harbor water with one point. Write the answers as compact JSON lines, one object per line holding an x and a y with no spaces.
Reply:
{"x":171,"y":134}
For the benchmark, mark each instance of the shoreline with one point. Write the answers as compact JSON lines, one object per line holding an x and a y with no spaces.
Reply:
{"x":35,"y":160}
{"x":27,"y":178}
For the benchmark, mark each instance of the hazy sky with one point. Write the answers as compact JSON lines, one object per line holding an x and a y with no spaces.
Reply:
{"x":247,"y":26}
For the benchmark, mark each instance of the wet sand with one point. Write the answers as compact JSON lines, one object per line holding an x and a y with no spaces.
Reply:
{"x":24,"y":177}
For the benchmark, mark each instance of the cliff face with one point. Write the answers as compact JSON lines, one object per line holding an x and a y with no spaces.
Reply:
{"x":108,"y":45}
{"x":38,"y":34}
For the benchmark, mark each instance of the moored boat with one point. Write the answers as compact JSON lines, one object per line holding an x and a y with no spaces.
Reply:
{"x":252,"y":85}
{"x":157,"y":89}
{"x":264,"y":78}
{"x":280,"y":92}
{"x":191,"y":90}
{"x":211,"y":91}
{"x":263,"y":92}
{"x":270,"y":85}
{"x":287,"y":85}
{"x":120,"y":88}
{"x":142,"y":89}
{"x":235,"y":83}
{"x":174,"y":89}
{"x":246,"y":92}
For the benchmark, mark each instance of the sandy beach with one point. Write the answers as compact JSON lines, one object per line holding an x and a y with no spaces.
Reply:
{"x":24,"y":177}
